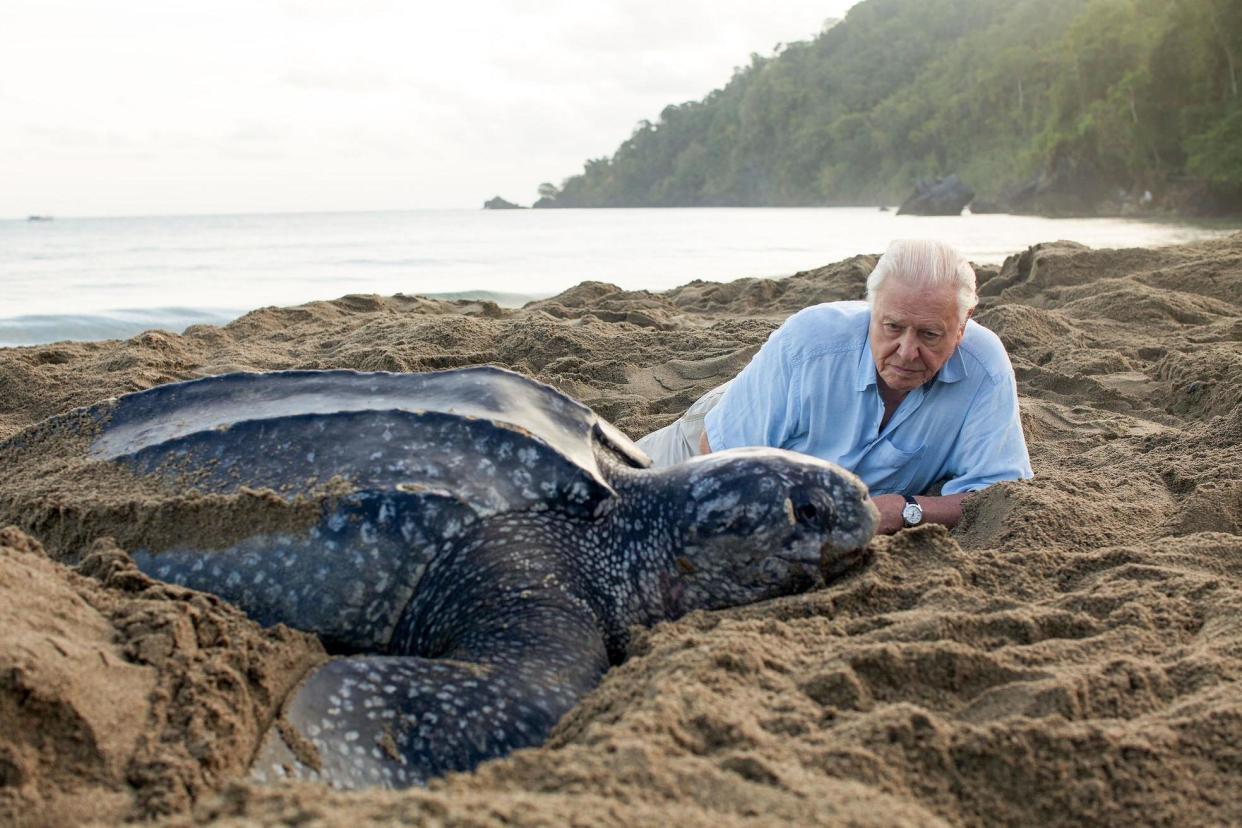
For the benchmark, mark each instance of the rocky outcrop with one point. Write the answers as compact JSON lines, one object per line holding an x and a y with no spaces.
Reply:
{"x":942,"y":197}
{"x":498,"y":203}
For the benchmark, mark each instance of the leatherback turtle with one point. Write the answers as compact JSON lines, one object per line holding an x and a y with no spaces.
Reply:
{"x":479,"y":546}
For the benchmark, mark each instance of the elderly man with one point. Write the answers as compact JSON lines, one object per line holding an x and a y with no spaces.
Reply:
{"x":904,"y":389}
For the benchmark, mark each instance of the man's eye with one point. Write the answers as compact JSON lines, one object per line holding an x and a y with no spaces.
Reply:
{"x":930,"y":336}
{"x":892,"y":327}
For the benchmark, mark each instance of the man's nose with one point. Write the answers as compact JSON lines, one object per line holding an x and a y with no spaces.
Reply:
{"x":908,"y":347}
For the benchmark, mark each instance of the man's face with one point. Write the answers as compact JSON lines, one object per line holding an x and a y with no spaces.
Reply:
{"x":914,"y":331}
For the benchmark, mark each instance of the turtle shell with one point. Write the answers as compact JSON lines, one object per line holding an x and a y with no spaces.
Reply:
{"x":493,"y":439}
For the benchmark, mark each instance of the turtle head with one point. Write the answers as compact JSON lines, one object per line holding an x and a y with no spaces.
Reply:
{"x":761,"y":523}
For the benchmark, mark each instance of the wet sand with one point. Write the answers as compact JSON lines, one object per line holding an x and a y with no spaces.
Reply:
{"x":1070,"y":654}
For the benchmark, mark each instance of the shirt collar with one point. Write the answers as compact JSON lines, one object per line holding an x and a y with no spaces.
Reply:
{"x":954,"y":368}
{"x":866,"y":366}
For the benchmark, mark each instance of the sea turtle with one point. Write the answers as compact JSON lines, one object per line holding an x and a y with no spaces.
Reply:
{"x":474,"y":547}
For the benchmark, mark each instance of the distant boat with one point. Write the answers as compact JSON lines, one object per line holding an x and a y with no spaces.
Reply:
{"x":38,"y":218}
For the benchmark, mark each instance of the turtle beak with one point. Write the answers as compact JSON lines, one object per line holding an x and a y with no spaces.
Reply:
{"x":834,"y":562}
{"x":792,"y":573}
{"x":865,"y":523}
{"x":846,"y":550}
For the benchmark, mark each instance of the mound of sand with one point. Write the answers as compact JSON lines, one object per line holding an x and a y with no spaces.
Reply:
{"x":1071,"y":653}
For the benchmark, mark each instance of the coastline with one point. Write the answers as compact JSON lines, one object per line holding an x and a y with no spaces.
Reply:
{"x":1072,"y":653}
{"x":87,"y":279}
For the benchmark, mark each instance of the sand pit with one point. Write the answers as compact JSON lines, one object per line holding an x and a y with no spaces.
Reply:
{"x":1072,"y":653}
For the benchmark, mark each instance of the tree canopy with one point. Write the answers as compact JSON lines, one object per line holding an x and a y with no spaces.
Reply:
{"x":1091,"y":95}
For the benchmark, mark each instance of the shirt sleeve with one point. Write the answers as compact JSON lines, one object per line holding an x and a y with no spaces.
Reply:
{"x":761,"y":406}
{"x":990,"y":447}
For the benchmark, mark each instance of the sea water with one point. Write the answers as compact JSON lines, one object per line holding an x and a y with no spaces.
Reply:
{"x":93,"y":278}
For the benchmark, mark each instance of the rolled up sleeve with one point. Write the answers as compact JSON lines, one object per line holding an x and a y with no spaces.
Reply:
{"x":990,"y":446}
{"x":761,"y":406}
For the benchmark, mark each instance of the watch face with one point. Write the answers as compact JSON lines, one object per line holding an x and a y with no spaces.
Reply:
{"x":912,"y":514}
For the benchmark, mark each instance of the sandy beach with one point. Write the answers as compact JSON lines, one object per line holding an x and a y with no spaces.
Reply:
{"x":1070,"y":654}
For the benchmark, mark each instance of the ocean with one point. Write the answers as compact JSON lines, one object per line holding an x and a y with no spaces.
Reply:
{"x":99,"y":278}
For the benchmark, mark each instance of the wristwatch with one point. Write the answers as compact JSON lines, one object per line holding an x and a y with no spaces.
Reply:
{"x":912,"y":512}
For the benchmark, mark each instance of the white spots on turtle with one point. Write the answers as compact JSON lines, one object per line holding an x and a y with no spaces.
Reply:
{"x":310,"y":457}
{"x":355,"y":594}
{"x":726,"y":503}
{"x":578,"y":492}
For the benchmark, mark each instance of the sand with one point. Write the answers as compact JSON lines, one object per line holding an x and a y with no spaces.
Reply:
{"x":1070,"y":654}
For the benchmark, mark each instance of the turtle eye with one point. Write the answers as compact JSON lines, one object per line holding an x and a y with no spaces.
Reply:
{"x":810,"y":510}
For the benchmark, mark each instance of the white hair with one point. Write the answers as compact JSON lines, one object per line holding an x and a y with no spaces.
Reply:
{"x":926,"y":263}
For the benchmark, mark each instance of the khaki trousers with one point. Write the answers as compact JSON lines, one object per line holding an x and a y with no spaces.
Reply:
{"x":679,"y":440}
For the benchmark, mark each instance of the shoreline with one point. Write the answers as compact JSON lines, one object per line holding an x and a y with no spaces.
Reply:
{"x":169,"y":273}
{"x":1071,"y":653}
{"x":1155,"y":214}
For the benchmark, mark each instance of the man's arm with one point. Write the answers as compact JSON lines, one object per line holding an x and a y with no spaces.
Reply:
{"x":990,"y":447}
{"x":762,"y":406}
{"x":945,"y":510}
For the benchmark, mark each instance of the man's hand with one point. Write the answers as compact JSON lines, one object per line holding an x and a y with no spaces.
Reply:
{"x":704,"y":446}
{"x":945,"y":510}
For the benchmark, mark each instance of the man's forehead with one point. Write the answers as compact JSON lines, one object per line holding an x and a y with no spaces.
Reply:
{"x":900,"y":300}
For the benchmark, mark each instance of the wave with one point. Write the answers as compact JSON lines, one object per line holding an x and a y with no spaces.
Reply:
{"x":40,"y":329}
{"x":505,"y":300}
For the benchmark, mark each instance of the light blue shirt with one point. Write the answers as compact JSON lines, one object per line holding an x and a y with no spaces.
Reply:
{"x":812,"y":388}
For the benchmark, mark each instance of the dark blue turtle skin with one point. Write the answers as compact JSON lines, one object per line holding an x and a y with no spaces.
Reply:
{"x":484,"y":543}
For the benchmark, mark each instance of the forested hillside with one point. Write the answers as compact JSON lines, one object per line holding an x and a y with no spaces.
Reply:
{"x":1041,"y":104}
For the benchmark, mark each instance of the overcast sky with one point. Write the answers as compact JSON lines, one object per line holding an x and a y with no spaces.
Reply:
{"x":138,"y":107}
